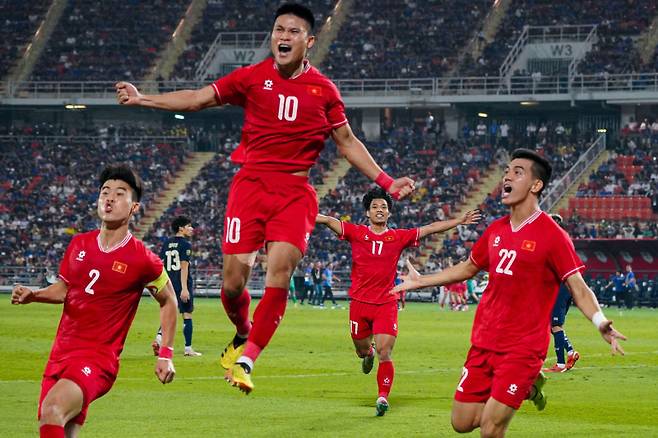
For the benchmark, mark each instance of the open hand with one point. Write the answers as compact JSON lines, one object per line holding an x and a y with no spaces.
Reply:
{"x":612,"y":337}
{"x":409,"y":281}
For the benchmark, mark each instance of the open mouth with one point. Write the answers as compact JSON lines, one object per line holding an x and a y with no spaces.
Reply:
{"x":108,"y":208}
{"x":507,"y":189}
{"x":284,"y":48}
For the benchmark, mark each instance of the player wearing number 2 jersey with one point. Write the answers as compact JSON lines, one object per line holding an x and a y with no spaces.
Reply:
{"x":527,"y":256}
{"x":101,"y":279}
{"x":290,"y":109}
{"x":376,"y":250}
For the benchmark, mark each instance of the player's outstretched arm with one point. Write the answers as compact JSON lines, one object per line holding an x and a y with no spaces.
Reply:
{"x":331,"y":222}
{"x":164,"y":367}
{"x":182,"y":100}
{"x":589,"y":305}
{"x":468,"y":218}
{"x":454,"y":274}
{"x":53,"y":294}
{"x":356,"y":153}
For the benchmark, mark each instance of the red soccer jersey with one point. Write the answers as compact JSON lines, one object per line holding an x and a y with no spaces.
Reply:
{"x":375,"y":260}
{"x":286,"y":120}
{"x":104,"y":289}
{"x":526,"y":266}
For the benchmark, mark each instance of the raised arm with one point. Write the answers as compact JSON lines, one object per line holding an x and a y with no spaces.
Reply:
{"x":53,"y":294}
{"x":331,"y":222}
{"x":182,"y":100}
{"x":356,"y":153}
{"x":453,"y":274}
{"x":589,"y":305}
{"x":470,"y":217}
{"x":164,"y":367}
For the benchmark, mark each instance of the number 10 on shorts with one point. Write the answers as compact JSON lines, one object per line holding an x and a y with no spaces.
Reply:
{"x":232,"y":230}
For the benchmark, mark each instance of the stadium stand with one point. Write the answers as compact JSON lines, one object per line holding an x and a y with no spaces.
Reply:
{"x":19,"y":22}
{"x":108,"y":40}
{"x":393,"y":39}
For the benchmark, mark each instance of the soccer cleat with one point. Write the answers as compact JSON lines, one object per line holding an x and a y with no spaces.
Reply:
{"x":232,"y":352}
{"x":155,"y":345}
{"x":555,"y":369}
{"x":368,"y":361}
{"x":539,"y":398}
{"x":572,"y":359}
{"x":381,"y":406}
{"x":239,"y":377}
{"x":192,"y":353}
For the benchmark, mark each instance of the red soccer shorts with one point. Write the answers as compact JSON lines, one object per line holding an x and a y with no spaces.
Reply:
{"x":367,"y":319}
{"x":93,"y":376}
{"x":507,"y":377}
{"x":268,"y":207}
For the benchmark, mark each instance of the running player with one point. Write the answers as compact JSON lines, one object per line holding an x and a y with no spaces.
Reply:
{"x":176,"y":254}
{"x":290,"y":110}
{"x":560,"y":339}
{"x":101,"y":279}
{"x":527,"y":255}
{"x":376,"y":250}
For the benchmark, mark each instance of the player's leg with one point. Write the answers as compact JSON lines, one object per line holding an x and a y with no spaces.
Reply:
{"x":72,"y":429}
{"x":557,"y":321}
{"x":473,"y":390}
{"x":188,"y":329}
{"x":495,"y":419}
{"x":385,"y":329}
{"x":361,"y":333}
{"x":236,"y":301}
{"x":62,"y":402}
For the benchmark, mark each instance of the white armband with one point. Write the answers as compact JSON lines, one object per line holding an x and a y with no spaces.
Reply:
{"x":598,"y":318}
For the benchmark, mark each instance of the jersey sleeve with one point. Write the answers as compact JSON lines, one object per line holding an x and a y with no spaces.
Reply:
{"x":154,"y":274}
{"x":185,"y":252}
{"x":480,"y":252}
{"x":335,"y":108}
{"x":64,"y":264}
{"x":411,"y":237}
{"x":232,"y":88}
{"x":562,"y":258}
{"x":348,"y":231}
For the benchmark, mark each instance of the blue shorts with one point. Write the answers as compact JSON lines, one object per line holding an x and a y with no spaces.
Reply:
{"x":185,"y":307}
{"x":561,"y":307}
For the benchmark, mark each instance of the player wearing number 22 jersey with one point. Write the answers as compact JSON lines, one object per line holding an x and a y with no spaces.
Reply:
{"x":376,"y":250}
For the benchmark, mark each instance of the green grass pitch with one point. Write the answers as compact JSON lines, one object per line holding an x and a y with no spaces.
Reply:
{"x":309,"y":381}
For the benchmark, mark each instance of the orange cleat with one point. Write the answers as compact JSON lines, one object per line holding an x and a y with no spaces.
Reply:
{"x":555,"y":369}
{"x":572,"y":359}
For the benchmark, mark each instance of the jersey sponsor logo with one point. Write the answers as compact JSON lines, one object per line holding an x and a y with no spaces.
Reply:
{"x":366,"y":237}
{"x":268,"y":84}
{"x":86,"y":371}
{"x":119,"y":267}
{"x":512,"y":389}
{"x":496,"y":241}
{"x":314,"y":90}
{"x":529,"y":245}
{"x":81,"y":256}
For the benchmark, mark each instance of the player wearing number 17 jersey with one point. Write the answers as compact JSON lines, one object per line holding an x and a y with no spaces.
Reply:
{"x":101,"y":280}
{"x":290,"y":109}
{"x":527,"y":256}
{"x":376,"y":250}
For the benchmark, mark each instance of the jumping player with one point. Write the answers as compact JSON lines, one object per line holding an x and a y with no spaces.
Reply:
{"x":527,"y":255}
{"x":290,"y":110}
{"x":376,"y":250}
{"x":101,"y":279}
{"x":176,"y":254}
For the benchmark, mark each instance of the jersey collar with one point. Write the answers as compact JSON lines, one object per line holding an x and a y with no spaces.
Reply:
{"x":305,"y":62}
{"x":529,"y":220}
{"x":121,"y":244}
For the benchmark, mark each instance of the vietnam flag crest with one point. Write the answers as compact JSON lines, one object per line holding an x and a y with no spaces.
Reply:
{"x":529,"y":245}
{"x":119,"y":267}
{"x":314,"y":90}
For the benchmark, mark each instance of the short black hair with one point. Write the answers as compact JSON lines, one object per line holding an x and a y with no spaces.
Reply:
{"x":125,"y":173}
{"x":541,"y":168}
{"x":180,"y":222}
{"x":299,"y":11}
{"x":377,"y":193}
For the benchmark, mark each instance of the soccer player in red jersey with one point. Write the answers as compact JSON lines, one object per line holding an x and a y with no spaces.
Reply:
{"x":376,"y":250}
{"x":527,"y":256}
{"x":290,"y":109}
{"x":101,"y":279}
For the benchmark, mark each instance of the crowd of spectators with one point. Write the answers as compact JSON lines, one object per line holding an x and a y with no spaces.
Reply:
{"x":108,"y":40}
{"x":48,"y":189}
{"x":230,"y":16}
{"x":20,"y":20}
{"x":403,"y":39}
{"x":619,"y":22}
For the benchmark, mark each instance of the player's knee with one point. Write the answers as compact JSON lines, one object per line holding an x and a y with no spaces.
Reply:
{"x":361,"y":352}
{"x":556,"y":328}
{"x":491,"y":429}
{"x":461,"y":425}
{"x":384,"y":353}
{"x":52,"y":413}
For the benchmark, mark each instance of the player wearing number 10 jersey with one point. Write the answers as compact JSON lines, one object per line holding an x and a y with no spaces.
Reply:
{"x":376,"y":250}
{"x":527,"y":256}
{"x":290,"y":109}
{"x":101,"y":280}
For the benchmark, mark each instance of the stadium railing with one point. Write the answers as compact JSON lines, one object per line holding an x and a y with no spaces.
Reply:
{"x":455,"y":86}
